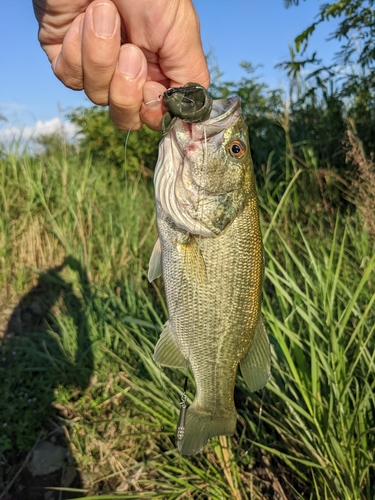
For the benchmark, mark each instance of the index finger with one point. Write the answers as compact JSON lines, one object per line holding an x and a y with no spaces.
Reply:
{"x":55,"y":18}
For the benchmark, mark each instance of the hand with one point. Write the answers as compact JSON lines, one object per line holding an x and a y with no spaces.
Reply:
{"x":124,"y":53}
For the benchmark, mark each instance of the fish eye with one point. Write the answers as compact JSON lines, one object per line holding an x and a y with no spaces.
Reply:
{"x":237,"y":149}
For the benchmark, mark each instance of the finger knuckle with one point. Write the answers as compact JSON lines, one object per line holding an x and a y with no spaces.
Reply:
{"x":123,"y":105}
{"x":100,"y":62}
{"x":125,"y":122}
{"x":97,"y":97}
{"x":71,"y":76}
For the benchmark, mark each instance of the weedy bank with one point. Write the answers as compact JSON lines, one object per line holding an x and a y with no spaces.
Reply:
{"x":80,"y":320}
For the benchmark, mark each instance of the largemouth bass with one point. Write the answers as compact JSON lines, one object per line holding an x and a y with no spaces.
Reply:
{"x":210,"y":254}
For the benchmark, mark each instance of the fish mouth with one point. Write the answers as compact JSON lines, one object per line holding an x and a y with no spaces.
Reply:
{"x":224,"y":113}
{"x":222,"y":108}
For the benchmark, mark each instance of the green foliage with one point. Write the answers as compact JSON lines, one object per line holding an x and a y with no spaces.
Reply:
{"x":352,"y":70}
{"x":325,"y":328}
{"x":289,"y":3}
{"x":50,"y":145}
{"x":357,"y":25}
{"x":136,"y":151}
{"x":362,"y":111}
{"x":29,"y":378}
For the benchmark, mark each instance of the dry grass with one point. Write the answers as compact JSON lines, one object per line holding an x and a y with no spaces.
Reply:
{"x":364,"y":183}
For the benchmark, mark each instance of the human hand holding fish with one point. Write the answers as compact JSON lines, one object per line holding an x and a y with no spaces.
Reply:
{"x":123,"y":53}
{"x":210,"y":254}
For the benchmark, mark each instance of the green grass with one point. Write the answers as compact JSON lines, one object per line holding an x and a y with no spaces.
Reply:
{"x":76,"y":239}
{"x":325,"y":330}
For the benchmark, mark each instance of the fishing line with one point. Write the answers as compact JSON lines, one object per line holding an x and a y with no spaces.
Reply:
{"x":170,"y":388}
{"x":200,"y":238}
{"x":126,"y":149}
{"x":160,"y":98}
{"x":201,"y":198}
{"x":204,"y":183}
{"x":126,"y":172}
{"x":204,"y":178}
{"x":131,"y":129}
{"x":260,"y":412}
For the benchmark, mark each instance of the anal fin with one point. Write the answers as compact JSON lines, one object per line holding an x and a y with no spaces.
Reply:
{"x":256,"y":364}
{"x":167,"y":352}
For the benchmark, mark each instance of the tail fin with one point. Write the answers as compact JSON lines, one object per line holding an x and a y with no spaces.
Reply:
{"x":201,"y":426}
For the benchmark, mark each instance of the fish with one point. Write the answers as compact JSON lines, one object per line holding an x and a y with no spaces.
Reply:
{"x":210,"y":254}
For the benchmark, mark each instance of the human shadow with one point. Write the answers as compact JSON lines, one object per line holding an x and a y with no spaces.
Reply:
{"x":46,"y":347}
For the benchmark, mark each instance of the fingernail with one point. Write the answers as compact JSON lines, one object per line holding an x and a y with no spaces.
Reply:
{"x":130,"y":62}
{"x":104,"y":18}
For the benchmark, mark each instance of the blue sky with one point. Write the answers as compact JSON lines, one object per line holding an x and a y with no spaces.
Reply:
{"x":258,"y":31}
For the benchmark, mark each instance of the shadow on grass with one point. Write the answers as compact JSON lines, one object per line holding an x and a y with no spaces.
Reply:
{"x":46,"y":347}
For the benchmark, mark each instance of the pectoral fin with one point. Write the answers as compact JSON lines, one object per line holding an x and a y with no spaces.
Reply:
{"x":167,"y":352}
{"x":256,"y":364}
{"x":155,"y":266}
{"x":192,"y":261}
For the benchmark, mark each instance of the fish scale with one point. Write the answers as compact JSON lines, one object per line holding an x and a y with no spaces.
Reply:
{"x":212,"y":264}
{"x":232,"y":288}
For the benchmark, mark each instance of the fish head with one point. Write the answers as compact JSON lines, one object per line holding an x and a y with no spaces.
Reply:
{"x":216,"y":152}
{"x":204,"y":171}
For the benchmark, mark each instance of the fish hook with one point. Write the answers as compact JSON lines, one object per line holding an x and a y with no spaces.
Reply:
{"x":181,"y":419}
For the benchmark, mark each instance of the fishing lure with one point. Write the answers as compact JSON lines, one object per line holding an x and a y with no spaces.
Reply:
{"x":191,"y":103}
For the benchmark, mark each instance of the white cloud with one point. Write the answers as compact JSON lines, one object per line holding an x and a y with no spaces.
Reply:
{"x":12,"y":106}
{"x":25,"y":134}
